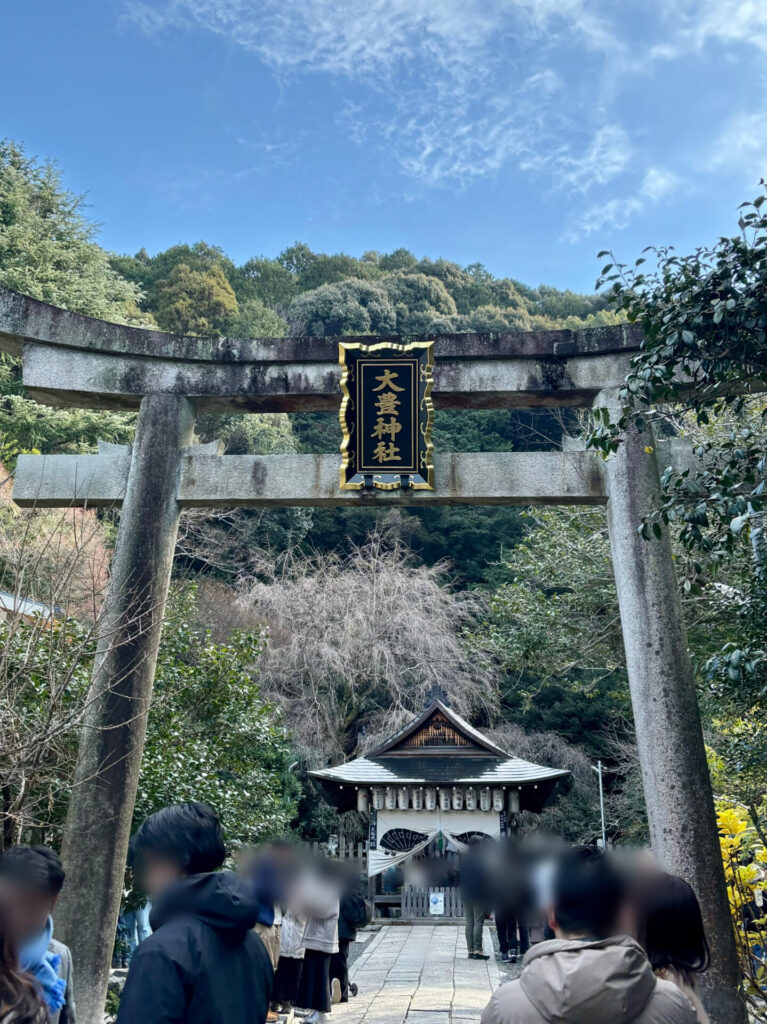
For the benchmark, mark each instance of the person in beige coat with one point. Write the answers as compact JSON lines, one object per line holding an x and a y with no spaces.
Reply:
{"x":587,"y":975}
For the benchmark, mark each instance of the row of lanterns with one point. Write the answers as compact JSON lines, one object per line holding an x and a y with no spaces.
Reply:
{"x":428,"y":798}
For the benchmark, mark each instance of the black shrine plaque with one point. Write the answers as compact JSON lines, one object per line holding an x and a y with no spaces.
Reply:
{"x":386,"y":415}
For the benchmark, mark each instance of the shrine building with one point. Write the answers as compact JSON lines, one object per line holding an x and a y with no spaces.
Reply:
{"x":437,"y":776}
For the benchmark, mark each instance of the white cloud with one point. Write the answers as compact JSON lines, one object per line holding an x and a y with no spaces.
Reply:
{"x":616,"y":214}
{"x":742,"y":147}
{"x":657,"y":184}
{"x":352,"y":37}
{"x":691,"y":24}
{"x":607,"y":154}
{"x":457,"y":89}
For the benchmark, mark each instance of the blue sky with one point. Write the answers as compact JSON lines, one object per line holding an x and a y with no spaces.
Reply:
{"x":526,"y":134}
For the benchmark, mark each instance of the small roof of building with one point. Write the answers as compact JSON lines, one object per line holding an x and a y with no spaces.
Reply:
{"x":438,"y":748}
{"x":14,"y":604}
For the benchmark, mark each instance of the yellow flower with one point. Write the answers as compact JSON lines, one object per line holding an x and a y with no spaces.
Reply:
{"x":731,"y":822}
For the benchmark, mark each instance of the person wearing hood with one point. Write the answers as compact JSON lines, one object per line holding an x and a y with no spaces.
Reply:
{"x":588,"y":974}
{"x":203,"y":963}
{"x":31,"y":878}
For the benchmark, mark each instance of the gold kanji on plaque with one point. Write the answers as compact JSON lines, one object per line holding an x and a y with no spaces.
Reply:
{"x":386,"y":415}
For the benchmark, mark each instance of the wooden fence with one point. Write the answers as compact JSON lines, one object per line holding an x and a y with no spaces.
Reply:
{"x":415,"y":902}
{"x":357,"y":852}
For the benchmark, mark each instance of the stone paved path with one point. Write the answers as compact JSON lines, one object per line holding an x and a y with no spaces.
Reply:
{"x":419,"y":974}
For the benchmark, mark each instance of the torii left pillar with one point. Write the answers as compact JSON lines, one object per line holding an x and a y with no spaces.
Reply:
{"x":112,"y":742}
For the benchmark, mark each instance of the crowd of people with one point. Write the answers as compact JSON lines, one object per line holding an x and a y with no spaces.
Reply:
{"x":203,"y":943}
{"x":601,"y":940}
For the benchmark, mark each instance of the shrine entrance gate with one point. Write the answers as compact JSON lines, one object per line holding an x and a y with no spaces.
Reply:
{"x":72,"y":360}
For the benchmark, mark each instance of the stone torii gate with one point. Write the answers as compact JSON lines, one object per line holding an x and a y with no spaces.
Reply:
{"x":72,"y":360}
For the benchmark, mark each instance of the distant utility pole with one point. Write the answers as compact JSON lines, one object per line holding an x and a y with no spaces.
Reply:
{"x":598,"y":770}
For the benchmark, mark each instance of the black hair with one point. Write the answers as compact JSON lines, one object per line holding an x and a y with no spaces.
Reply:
{"x":588,"y":893}
{"x":34,"y":866}
{"x":187,"y":834}
{"x":670,"y":925}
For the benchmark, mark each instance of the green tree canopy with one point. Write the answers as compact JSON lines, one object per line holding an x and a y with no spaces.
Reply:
{"x":195,"y":301}
{"x":48,"y":251}
{"x":211,"y":735}
{"x":47,"y":244}
{"x":350,"y":307}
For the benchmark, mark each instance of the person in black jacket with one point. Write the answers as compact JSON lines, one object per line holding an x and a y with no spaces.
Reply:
{"x":353,"y":914}
{"x":203,"y":964}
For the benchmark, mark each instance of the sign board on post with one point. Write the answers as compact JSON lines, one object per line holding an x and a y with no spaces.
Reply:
{"x":437,"y":903}
{"x":386,"y":415}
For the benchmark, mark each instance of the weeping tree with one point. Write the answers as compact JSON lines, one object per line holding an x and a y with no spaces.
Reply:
{"x":358,"y":643}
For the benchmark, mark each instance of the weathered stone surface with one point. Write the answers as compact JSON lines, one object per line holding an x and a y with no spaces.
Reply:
{"x":23,"y":319}
{"x":675,"y":775}
{"x":477,"y":478}
{"x":61,"y":376}
{"x":104,"y":788}
{"x":447,"y":988}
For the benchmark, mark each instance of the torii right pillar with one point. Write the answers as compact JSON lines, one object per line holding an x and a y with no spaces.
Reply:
{"x":672,"y":754}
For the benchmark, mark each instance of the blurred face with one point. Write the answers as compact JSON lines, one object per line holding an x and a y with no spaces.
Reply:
{"x":627,"y":919}
{"x":157,"y":874}
{"x":27,"y":909}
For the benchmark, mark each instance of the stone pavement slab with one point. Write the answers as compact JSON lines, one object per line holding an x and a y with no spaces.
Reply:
{"x":419,"y":974}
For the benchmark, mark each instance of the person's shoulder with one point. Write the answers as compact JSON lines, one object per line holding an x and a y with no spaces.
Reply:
{"x":510,"y":1005}
{"x":59,"y":949}
{"x":64,"y":953}
{"x":167,"y":940}
{"x":670,"y":1005}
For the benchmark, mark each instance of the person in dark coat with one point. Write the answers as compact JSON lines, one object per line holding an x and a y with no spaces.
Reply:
{"x":513,"y":900}
{"x":353,"y":914}
{"x":474,"y":880}
{"x":203,"y":964}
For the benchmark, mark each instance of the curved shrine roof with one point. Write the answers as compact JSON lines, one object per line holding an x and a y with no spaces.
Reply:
{"x":438,"y":747}
{"x":431,"y":770}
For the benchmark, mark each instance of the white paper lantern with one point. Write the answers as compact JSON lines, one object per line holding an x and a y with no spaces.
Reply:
{"x":390,"y":798}
{"x":484,"y":798}
{"x":444,"y":799}
{"x":363,"y":801}
{"x":498,"y":800}
{"x":471,"y":799}
{"x":457,"y":799}
{"x":513,"y":801}
{"x":378,"y":798}
{"x":431,"y":798}
{"x":416,"y":798}
{"x":402,"y":798}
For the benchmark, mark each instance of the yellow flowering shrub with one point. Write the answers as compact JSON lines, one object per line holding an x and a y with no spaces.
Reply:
{"x":745,"y":866}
